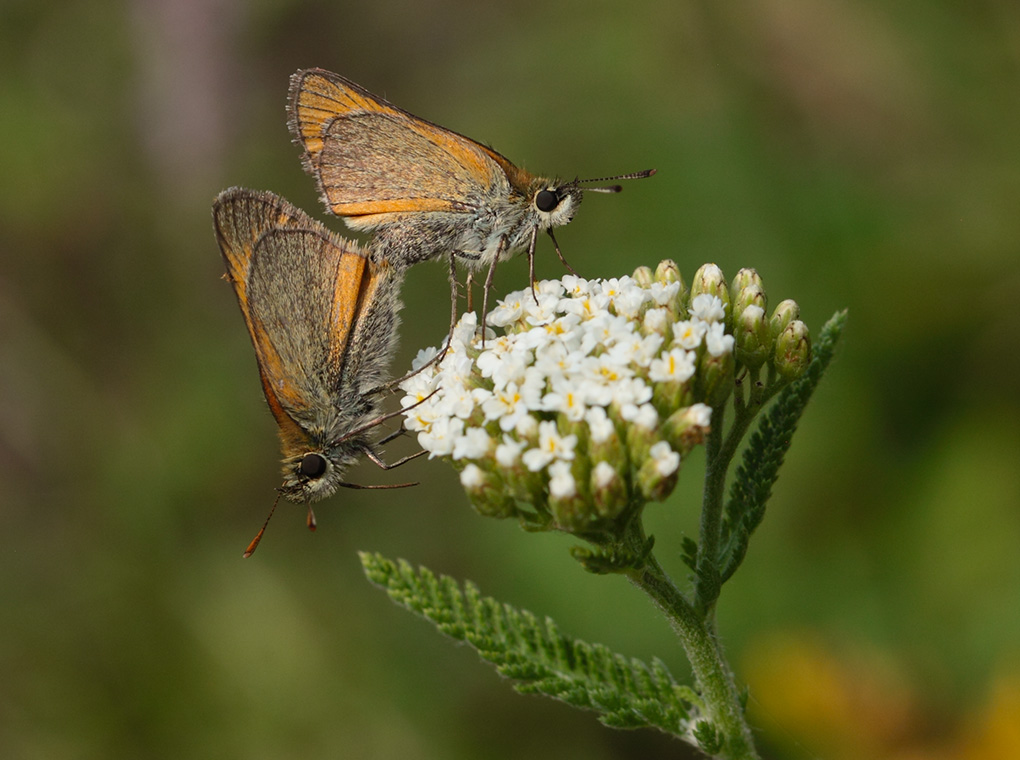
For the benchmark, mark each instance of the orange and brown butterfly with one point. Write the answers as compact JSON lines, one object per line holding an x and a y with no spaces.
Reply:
{"x":424,"y":190}
{"x":322,"y":317}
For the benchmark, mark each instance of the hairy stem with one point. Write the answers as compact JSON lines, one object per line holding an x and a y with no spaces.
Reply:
{"x":713,"y":677}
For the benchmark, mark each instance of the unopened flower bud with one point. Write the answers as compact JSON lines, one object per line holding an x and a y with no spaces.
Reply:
{"x":751,"y":295}
{"x":784,"y":313}
{"x":608,"y":489}
{"x":658,"y":474}
{"x":751,"y":332}
{"x":486,"y":492}
{"x":793,"y":350}
{"x":668,"y":272}
{"x":644,"y":276}
{"x":716,"y":373}
{"x":709,"y":279}
{"x":746,"y":277}
{"x":687,"y":427}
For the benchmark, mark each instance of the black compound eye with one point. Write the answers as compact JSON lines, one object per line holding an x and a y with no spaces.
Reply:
{"x":547,"y":200}
{"x":313,"y":465}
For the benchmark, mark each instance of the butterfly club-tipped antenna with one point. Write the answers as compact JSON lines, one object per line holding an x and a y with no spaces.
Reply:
{"x":611,"y":188}
{"x":372,"y":456}
{"x":571,"y":185}
{"x":258,"y":536}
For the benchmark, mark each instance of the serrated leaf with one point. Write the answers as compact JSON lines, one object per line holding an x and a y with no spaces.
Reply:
{"x":759,"y":467}
{"x":536,"y":655}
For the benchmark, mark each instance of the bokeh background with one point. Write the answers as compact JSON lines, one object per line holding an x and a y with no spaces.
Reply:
{"x":859,"y":154}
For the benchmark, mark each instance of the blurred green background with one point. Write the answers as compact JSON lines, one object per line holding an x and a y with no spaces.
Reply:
{"x":858,"y":154}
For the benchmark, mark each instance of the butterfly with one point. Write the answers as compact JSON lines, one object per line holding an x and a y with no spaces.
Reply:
{"x":322,"y":316}
{"x":423,"y":190}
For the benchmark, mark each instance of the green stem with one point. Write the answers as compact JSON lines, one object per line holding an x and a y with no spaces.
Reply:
{"x":712,"y":674}
{"x":707,"y":582}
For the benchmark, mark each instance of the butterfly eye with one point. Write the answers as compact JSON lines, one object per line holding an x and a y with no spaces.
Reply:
{"x":313,"y":465}
{"x":546,"y":200}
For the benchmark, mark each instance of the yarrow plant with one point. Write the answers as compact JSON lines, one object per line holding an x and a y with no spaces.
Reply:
{"x":575,"y":417}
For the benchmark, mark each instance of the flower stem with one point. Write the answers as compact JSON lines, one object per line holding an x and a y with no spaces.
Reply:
{"x":712,"y":674}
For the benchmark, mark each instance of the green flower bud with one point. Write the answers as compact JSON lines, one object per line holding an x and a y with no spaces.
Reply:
{"x":752,"y":295}
{"x":658,"y":474}
{"x":784,"y":313}
{"x":668,"y":272}
{"x":644,"y":276}
{"x":486,"y":492}
{"x":608,"y":488}
{"x":709,"y":279}
{"x":717,"y":375}
{"x":751,"y":331}
{"x":687,"y":427}
{"x":568,"y":505}
{"x":793,"y":350}
{"x":745,"y":278}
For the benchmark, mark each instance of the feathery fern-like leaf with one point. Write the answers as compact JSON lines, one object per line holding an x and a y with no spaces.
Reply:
{"x":759,"y":469}
{"x":626,"y":692}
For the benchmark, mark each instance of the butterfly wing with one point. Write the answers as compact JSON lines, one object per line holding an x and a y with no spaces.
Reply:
{"x":303,"y":292}
{"x":371,"y":158}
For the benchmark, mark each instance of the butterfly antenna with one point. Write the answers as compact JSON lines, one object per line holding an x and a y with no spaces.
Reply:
{"x":611,"y":188}
{"x":258,"y":536}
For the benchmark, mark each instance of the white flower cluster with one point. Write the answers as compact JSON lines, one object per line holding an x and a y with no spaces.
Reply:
{"x":586,"y":375}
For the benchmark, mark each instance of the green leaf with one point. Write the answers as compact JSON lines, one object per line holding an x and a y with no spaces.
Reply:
{"x":626,"y":692}
{"x":759,"y":469}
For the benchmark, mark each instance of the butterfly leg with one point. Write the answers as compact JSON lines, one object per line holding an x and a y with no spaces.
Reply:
{"x":390,"y":465}
{"x":488,"y":284}
{"x":558,"y":253}
{"x":531,"y":262}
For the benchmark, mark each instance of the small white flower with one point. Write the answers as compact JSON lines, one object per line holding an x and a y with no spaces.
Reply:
{"x":666,"y":460}
{"x":708,"y":308}
{"x":561,"y":481}
{"x":504,"y":365}
{"x":674,"y":366}
{"x":655,"y":321}
{"x":628,"y":301}
{"x":438,"y":440}
{"x":631,"y":390}
{"x":638,"y":350}
{"x":564,"y":328}
{"x":423,"y":357}
{"x":526,"y":427}
{"x":586,"y":307}
{"x":605,"y":330}
{"x":472,"y":477}
{"x":475,"y":443}
{"x":688,"y":334}
{"x":600,"y":427}
{"x":543,"y":312}
{"x":717,"y":341}
{"x":417,"y":387}
{"x":464,"y":332}
{"x":643,"y":416}
{"x":507,"y":311}
{"x":603,"y":475}
{"x":576,"y":287}
{"x":456,"y":400}
{"x":506,"y":405}
{"x":549,"y":287}
{"x":699,"y":414}
{"x":662,"y":293}
{"x":551,"y":446}
{"x":421,"y":417}
{"x":566,"y":402}
{"x":508,"y":453}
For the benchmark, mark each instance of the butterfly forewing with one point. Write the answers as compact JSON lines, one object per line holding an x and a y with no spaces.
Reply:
{"x":371,"y":157}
